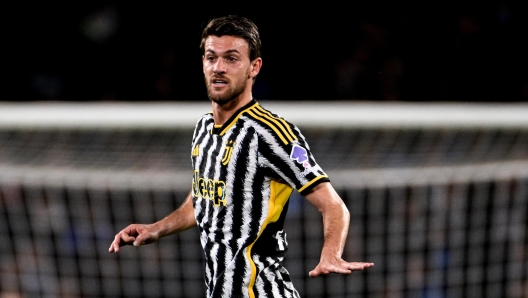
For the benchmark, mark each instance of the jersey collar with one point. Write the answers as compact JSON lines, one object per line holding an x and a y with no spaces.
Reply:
{"x":221,"y":130}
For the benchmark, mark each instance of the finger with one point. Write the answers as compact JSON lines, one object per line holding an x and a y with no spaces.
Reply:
{"x":113,"y":248}
{"x":137,"y":242}
{"x":341,"y":268}
{"x":319,"y":270}
{"x":124,"y":238}
{"x":314,"y":273}
{"x":355,"y":266}
{"x":120,"y":239}
{"x":145,"y":238}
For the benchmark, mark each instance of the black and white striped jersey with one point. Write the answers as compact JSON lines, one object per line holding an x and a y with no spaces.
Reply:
{"x":244,"y":174}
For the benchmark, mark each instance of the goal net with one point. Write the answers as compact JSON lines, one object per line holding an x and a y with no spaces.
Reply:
{"x":437,"y":193}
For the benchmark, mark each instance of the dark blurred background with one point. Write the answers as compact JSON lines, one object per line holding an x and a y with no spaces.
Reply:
{"x":102,"y":51}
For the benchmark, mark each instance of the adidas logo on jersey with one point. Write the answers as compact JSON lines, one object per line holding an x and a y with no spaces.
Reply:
{"x":196,"y":151}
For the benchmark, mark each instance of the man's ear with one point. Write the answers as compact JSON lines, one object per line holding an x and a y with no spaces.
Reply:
{"x":255,"y":67}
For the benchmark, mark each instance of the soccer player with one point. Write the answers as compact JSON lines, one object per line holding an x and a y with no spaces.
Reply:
{"x":247,"y":161}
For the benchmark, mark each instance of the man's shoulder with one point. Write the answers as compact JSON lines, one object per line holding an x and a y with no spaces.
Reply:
{"x":262,"y":114}
{"x":267,"y":123}
{"x":205,"y":117}
{"x":203,"y":122}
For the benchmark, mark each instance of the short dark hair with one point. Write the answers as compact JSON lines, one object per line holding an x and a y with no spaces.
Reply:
{"x":234,"y":25}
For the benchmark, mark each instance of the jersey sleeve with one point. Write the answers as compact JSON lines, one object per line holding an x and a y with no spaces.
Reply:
{"x":284,"y":151}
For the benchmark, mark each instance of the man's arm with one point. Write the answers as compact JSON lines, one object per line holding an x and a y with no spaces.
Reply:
{"x":179,"y":220}
{"x":336,"y":219}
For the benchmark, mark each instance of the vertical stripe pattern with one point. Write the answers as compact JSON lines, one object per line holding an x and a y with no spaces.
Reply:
{"x":244,"y":174}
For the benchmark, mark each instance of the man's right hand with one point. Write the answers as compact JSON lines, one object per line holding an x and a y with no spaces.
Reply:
{"x":134,"y":234}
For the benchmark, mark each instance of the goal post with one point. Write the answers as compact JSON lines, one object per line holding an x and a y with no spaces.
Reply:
{"x":437,"y":193}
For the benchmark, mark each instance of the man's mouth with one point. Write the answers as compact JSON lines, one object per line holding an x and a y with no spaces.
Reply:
{"x":218,"y":81}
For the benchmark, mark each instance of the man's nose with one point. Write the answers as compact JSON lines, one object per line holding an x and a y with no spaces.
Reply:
{"x":219,"y":66}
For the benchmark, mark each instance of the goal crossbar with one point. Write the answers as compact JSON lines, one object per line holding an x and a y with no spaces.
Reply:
{"x":335,"y":114}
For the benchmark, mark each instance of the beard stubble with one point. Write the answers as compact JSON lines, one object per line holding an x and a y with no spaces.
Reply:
{"x":230,"y":94}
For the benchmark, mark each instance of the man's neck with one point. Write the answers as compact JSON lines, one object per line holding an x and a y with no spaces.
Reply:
{"x":222,"y":113}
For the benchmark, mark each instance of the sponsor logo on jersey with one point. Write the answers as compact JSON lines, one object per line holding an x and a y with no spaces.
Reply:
{"x":300,"y":155}
{"x":214,"y":190}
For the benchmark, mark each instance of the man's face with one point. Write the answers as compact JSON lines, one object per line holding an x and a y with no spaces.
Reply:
{"x":227,"y":68}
